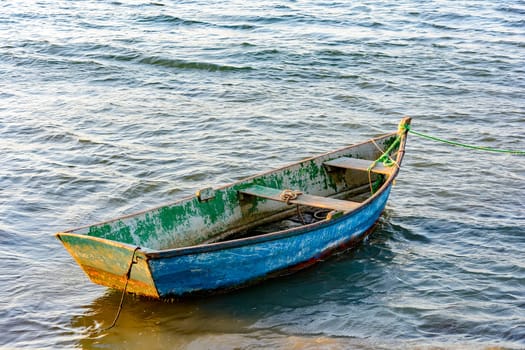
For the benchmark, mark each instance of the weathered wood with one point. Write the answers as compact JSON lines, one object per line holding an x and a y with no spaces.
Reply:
{"x":302,"y":199}
{"x":360,"y":164}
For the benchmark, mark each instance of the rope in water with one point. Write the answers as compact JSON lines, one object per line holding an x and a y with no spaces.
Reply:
{"x":480,"y":148}
{"x":128,"y":274}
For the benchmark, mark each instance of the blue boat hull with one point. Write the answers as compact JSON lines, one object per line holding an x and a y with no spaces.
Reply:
{"x":233,"y":264}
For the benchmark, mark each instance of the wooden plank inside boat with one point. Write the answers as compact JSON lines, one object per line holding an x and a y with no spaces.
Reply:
{"x":302,"y":199}
{"x":359,"y":164}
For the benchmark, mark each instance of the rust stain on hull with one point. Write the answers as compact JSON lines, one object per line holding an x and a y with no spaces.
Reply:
{"x":118,"y":282}
{"x":106,"y":263}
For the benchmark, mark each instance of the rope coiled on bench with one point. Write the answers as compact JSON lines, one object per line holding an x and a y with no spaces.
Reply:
{"x":288,"y":195}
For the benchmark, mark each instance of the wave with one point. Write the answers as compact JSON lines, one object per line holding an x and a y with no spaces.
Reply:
{"x":511,"y":9}
{"x":191,"y":65}
{"x":170,"y":19}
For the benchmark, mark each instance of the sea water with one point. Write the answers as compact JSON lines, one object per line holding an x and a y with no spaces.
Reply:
{"x":110,"y":107}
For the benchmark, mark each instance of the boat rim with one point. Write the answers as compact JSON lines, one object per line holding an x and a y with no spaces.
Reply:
{"x":150,"y":253}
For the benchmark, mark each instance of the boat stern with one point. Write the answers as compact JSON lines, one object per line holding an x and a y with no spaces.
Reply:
{"x":108,"y":263}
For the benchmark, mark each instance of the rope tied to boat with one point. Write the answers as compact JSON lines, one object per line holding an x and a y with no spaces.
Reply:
{"x":127,"y":275}
{"x":287,"y":195}
{"x":460,"y":144}
{"x":384,"y":158}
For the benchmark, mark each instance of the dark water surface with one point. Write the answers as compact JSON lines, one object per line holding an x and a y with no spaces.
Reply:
{"x":109,"y":107}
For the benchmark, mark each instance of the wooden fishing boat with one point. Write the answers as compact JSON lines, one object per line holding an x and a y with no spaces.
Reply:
{"x":259,"y":227}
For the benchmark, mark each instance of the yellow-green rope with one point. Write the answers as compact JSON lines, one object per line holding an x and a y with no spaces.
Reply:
{"x":385,"y":157}
{"x":480,"y":148}
{"x":386,"y":160}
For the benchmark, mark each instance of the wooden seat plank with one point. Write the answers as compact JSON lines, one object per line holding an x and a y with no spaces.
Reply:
{"x":302,"y":199}
{"x":360,"y":164}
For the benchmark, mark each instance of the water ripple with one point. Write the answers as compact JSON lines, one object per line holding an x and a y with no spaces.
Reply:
{"x":182,"y":64}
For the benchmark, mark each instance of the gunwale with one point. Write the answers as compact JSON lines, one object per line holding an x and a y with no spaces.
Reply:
{"x":150,"y":253}
{"x":246,"y":179}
